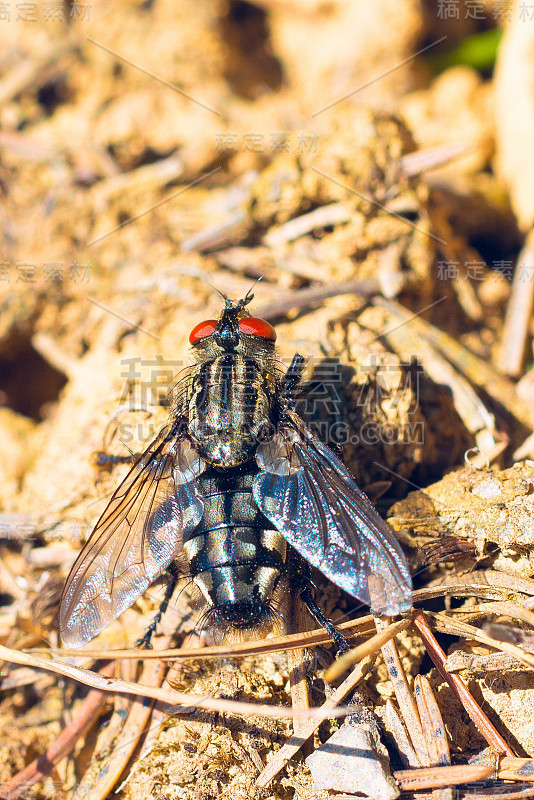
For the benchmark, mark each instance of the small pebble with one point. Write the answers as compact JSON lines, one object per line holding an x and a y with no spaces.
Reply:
{"x":348,"y":762}
{"x":488,"y":489}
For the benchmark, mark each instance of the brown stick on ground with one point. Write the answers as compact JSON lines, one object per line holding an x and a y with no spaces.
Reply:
{"x":479,"y":372}
{"x":516,"y":769}
{"x":438,"y":751}
{"x":313,"y":296}
{"x":484,"y":726}
{"x":410,"y":780}
{"x":40,"y":767}
{"x":434,"y":730}
{"x":404,"y":696}
{"x":516,"y":330}
{"x":296,"y":662}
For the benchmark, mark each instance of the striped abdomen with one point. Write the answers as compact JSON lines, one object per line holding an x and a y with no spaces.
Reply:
{"x":236,"y":557}
{"x":229,"y":409}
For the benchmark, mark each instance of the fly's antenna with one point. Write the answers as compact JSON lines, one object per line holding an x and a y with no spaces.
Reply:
{"x":249,"y":295}
{"x":224,"y":297}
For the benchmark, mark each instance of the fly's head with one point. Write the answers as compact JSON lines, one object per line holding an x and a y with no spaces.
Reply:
{"x":234,"y":331}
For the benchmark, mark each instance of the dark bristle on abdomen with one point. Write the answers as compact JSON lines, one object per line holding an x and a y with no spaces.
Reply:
{"x":236,"y":556}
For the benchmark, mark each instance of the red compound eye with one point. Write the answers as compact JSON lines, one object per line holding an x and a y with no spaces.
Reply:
{"x":253,"y":326}
{"x":202,"y":330}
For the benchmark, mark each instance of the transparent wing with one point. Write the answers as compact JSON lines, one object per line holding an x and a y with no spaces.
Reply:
{"x":307,"y":493}
{"x":135,"y":539}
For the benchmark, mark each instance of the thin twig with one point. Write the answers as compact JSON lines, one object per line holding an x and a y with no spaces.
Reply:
{"x":495,"y":662}
{"x":216,"y":236}
{"x":182,"y":701}
{"x":478,"y":579}
{"x":332,"y":214}
{"x":456,"y":627}
{"x":424,"y":160}
{"x":503,"y":608}
{"x":410,"y":780}
{"x":22,"y":145}
{"x":397,"y":730}
{"x":278,"y":644}
{"x":261,"y":261}
{"x":480,"y":583}
{"x":145,"y":178}
{"x":498,"y":793}
{"x":516,"y":330}
{"x":426,"y":725}
{"x":314,"y":295}
{"x":481,"y":721}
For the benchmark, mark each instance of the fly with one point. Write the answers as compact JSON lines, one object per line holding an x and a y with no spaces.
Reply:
{"x":238,"y":485}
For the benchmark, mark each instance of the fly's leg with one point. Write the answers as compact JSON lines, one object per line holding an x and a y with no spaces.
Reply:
{"x":291,"y":380}
{"x":104,"y":462}
{"x":340,"y":643}
{"x":289,"y":390}
{"x":144,"y":642}
{"x":300,"y":572}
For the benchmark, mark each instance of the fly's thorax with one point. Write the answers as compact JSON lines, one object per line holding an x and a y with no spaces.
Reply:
{"x":231,"y":407}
